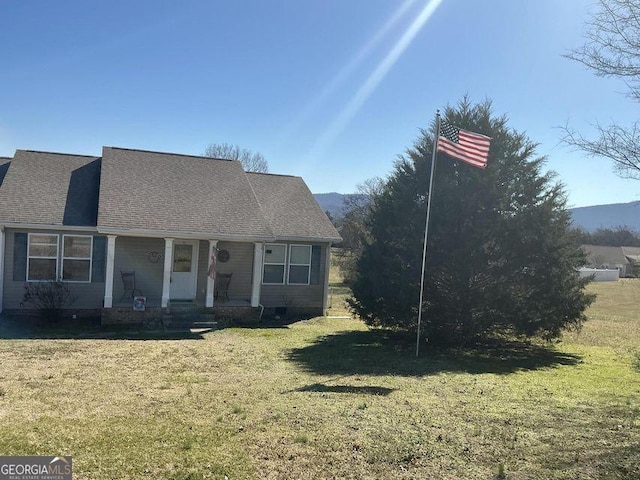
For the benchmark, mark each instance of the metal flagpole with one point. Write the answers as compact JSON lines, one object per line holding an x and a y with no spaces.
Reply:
{"x":426,"y":228}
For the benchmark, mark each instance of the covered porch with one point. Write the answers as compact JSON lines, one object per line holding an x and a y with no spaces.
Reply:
{"x":172,"y":270}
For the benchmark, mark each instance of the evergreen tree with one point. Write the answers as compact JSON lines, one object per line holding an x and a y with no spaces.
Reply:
{"x":501,"y":255}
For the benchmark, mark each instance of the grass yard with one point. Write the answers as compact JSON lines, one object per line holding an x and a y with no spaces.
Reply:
{"x":327,"y":398}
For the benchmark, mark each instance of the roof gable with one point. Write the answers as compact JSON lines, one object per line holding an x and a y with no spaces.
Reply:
{"x":49,"y":188}
{"x":290,"y":208}
{"x":4,"y":168}
{"x":143,"y":190}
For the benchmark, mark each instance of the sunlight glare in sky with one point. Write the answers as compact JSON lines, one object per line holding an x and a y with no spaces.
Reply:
{"x":346,"y":72}
{"x":372,"y":82}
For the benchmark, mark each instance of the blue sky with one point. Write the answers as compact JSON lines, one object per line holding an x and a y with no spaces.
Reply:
{"x":332,"y":90}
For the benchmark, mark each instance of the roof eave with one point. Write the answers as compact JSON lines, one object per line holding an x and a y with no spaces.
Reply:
{"x":288,"y":238}
{"x":129,"y":232}
{"x":48,"y":226}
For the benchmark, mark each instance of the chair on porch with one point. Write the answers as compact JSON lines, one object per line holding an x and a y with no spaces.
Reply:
{"x":222,"y":285}
{"x":129,"y":284}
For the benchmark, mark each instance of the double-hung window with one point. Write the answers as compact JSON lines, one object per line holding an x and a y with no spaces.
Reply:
{"x":42,"y":257}
{"x":288,"y":264}
{"x":51,"y":257}
{"x":275,"y":257}
{"x":299,"y":264}
{"x":76,"y":258}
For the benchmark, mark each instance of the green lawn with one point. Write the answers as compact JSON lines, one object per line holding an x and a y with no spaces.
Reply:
{"x":327,"y":398}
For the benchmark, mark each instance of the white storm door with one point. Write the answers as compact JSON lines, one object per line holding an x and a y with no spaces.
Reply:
{"x":184,"y":270}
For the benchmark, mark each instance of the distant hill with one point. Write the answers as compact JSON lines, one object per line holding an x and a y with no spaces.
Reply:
{"x":332,"y":202}
{"x":588,"y":218}
{"x":607,"y":216}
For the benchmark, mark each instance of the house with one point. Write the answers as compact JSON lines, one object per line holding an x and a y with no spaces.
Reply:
{"x":623,"y":259}
{"x":167,"y":217}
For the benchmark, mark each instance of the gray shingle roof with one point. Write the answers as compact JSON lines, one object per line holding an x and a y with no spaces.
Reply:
{"x":140,"y":190}
{"x":290,"y":208}
{"x":631,"y":253}
{"x":143,"y":190}
{"x":598,"y":255}
{"x":50,"y":188}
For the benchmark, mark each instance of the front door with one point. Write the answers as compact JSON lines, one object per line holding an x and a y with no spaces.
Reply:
{"x":184,"y":270}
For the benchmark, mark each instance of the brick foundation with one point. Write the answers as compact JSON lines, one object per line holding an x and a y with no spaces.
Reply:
{"x":293,"y":313}
{"x":127,"y":316}
{"x":64,"y":314}
{"x":238,"y":314}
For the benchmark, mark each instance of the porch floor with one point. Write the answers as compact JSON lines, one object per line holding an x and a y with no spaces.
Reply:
{"x":233,"y":302}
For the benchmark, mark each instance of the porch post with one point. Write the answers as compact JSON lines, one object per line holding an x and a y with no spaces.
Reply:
{"x":257,"y":274}
{"x":166,"y":277}
{"x":1,"y":266}
{"x":210,"y":281}
{"x":108,"y":281}
{"x":327,"y":266}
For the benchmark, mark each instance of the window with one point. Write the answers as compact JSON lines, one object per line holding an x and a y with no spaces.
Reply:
{"x":42,"y":257}
{"x":49,"y":257}
{"x":293,"y":267}
{"x":275,"y":256}
{"x":299,"y":264}
{"x":76,"y":258}
{"x":182,"y":256}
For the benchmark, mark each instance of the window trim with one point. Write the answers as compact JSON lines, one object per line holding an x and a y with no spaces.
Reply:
{"x":90,"y":258}
{"x":284,"y":264}
{"x":308,"y":265}
{"x":29,"y":256}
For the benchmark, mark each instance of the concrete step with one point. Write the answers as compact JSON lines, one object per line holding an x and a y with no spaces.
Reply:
{"x":191,"y":321}
{"x":181,"y":307}
{"x":192,"y":326}
{"x":188,"y":315}
{"x":205,"y":324}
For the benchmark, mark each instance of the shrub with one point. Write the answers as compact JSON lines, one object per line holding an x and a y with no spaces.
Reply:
{"x":49,"y":298}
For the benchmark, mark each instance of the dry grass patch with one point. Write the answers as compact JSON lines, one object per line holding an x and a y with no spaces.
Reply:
{"x":331,"y":399}
{"x":338,"y":290}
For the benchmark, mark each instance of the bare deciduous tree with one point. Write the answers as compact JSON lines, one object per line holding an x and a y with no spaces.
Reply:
{"x":251,"y":161}
{"x":354,"y":229}
{"x":612,"y":49}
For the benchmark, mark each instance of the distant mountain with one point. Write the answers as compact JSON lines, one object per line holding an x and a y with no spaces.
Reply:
{"x":332,"y":202}
{"x":588,"y":218}
{"x":607,"y":216}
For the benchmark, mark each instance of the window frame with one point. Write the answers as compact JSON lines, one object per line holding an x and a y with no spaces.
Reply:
{"x":290,"y":264}
{"x":56,"y":258}
{"x":283,"y":264}
{"x":89,"y":258}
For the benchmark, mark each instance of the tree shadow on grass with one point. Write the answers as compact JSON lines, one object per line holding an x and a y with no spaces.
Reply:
{"x":621,"y":462}
{"x":379,"y":352}
{"x":266,"y":323}
{"x":23,"y":328}
{"x":367,"y":390}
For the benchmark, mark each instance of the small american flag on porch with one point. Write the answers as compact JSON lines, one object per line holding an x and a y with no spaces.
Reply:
{"x":212,"y":264}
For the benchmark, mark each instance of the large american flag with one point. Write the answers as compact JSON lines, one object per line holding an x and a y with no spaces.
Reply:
{"x":472,"y":148}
